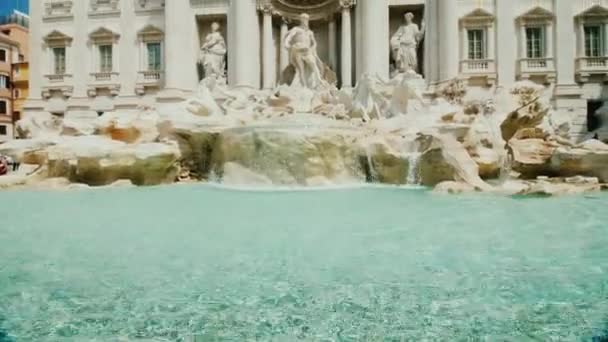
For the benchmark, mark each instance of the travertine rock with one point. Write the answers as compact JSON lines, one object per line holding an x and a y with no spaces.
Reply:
{"x":100,"y":161}
{"x":387,"y":163}
{"x":129,"y":126}
{"x":532,"y":157}
{"x":528,"y":116}
{"x":291,"y":156}
{"x":29,"y":151}
{"x":40,"y":125}
{"x":445,"y":159}
{"x":451,"y":187}
{"x":560,"y":187}
{"x":588,"y":159}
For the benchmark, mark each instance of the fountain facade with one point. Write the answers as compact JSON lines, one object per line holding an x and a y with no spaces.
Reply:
{"x":306,"y":131}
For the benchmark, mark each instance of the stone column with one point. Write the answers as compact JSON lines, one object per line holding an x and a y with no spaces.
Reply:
{"x":506,"y":30}
{"x":284,"y":54}
{"x":346,"y":48}
{"x":568,"y":99}
{"x":522,"y":42}
{"x":605,"y":28}
{"x":431,"y":42}
{"x":129,"y":66}
{"x":76,"y":64}
{"x":549,"y":40}
{"x":565,"y":60}
{"x":36,"y":54}
{"x":244,"y":44}
{"x":491,"y":44}
{"x":268,"y":48}
{"x":445,"y":39}
{"x":180,"y":49}
{"x":373,"y":46}
{"x":333,"y":52}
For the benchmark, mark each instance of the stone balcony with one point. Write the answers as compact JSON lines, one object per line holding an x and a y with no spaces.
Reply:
{"x":479,"y":69}
{"x":58,"y":83}
{"x":103,"y":81}
{"x":148,"y":80}
{"x":586,"y":67}
{"x":541,"y":68}
{"x":58,"y":78}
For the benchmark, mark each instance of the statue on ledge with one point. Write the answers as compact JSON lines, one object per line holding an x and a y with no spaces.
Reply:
{"x":302,"y":46}
{"x":213,"y":55}
{"x":404,"y":45}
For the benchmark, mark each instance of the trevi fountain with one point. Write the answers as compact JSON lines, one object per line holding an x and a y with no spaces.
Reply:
{"x":308,"y":212}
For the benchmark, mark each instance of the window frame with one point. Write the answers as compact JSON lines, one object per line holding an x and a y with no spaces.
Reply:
{"x":4,"y":82}
{"x":151,"y":35}
{"x":591,"y":51}
{"x":100,"y":39}
{"x":158,"y":63}
{"x":106,"y":60}
{"x":532,"y":51}
{"x":4,"y":103}
{"x":481,"y":44}
{"x":56,"y":66}
{"x":54,"y":41}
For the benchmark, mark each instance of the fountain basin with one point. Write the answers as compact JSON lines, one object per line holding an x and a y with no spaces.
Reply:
{"x":345,"y":264}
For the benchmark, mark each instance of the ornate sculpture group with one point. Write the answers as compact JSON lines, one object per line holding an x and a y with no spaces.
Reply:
{"x":308,"y":69}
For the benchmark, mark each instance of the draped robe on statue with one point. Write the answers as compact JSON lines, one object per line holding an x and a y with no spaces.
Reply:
{"x":213,"y":54}
{"x":404,"y":45}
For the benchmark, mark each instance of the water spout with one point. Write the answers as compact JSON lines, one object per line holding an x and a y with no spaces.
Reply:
{"x":413,"y":171}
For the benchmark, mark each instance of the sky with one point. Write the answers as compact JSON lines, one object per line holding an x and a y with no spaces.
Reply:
{"x":7,"y":6}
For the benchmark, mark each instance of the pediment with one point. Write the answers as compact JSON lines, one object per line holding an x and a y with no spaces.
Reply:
{"x":150,"y":30}
{"x":103,"y":32}
{"x":478,"y":15}
{"x":537,"y":13}
{"x":595,"y":11}
{"x":150,"y":33}
{"x":56,"y":37}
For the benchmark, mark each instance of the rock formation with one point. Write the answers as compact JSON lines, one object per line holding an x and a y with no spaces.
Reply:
{"x":384,"y":132}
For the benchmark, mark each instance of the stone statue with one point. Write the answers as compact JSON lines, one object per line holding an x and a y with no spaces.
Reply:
{"x":302,"y":46}
{"x":404,"y":45}
{"x":213,"y":54}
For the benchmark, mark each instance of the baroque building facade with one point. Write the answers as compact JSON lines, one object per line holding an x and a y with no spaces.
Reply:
{"x":93,"y":56}
{"x":14,"y":52}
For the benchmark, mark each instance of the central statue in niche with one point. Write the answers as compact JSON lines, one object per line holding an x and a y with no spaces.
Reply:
{"x":302,"y":46}
{"x":212,"y":57}
{"x":404,"y":45}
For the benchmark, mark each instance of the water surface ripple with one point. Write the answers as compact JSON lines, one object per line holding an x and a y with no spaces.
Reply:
{"x":199,"y":263}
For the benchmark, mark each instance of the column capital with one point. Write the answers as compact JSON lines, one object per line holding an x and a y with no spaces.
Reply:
{"x":265,"y":6}
{"x":347,"y":4}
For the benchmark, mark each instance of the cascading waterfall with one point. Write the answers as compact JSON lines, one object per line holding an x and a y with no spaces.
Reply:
{"x":498,"y":146}
{"x":413,"y":171}
{"x":505,"y":168}
{"x":372,"y":175}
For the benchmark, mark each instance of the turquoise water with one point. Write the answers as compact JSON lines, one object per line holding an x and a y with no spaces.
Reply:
{"x":374,"y":264}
